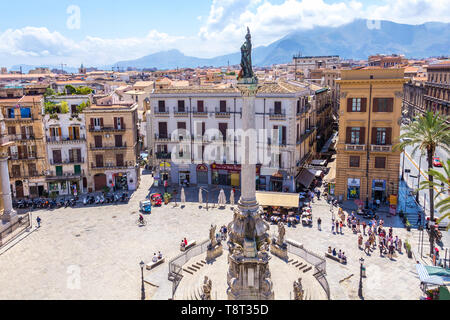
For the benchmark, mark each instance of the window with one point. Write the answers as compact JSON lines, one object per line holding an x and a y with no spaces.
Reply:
{"x":181,"y":106}
{"x":119,"y":160}
{"x":98,"y":122}
{"x":383,"y":104}
{"x":161,"y":106}
{"x":356,"y":104}
{"x":354,"y":161}
{"x":277,"y":107}
{"x":223,"y":127}
{"x":162,"y":127}
{"x":200,"y":106}
{"x":380,"y":162}
{"x":355,"y":136}
{"x":11,"y":113}
{"x":32,"y":170}
{"x":298,"y":106}
{"x":11,"y":130}
{"x":25,"y":112}
{"x":381,"y":136}
{"x":119,"y":123}
{"x":223,"y":106}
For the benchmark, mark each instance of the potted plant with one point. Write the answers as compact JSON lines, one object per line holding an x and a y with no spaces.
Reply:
{"x":408,"y":249}
{"x":167,"y":197}
{"x":408,"y":225}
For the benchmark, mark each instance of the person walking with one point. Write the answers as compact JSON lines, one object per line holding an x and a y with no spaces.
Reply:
{"x":419,"y":219}
{"x":38,"y":220}
{"x":367,"y":247}
{"x":319,"y":224}
{"x":364,"y":227}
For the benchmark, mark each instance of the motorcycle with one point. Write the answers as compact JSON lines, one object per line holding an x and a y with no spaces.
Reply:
{"x":60,"y":203}
{"x":116,"y":198}
{"x":124,"y":197}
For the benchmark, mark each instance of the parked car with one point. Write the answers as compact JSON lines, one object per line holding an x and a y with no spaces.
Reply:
{"x":145,"y":206}
{"x":156,"y":199}
{"x":437,"y":162}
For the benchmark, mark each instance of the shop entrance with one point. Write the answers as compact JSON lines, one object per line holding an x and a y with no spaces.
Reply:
{"x":121,"y":182}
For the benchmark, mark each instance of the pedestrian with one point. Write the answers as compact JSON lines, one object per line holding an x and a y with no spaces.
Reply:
{"x":396,"y":242}
{"x":337,"y":226}
{"x":400,"y":245}
{"x":419,"y":219}
{"x":340,"y":227}
{"x":332,"y":227}
{"x":38,"y":220}
{"x":360,"y":241}
{"x":367,"y":247}
{"x":319,"y":223}
{"x":364,"y":227}
{"x":381,"y":249}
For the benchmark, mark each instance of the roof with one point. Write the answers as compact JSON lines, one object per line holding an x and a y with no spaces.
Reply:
{"x":276,"y":199}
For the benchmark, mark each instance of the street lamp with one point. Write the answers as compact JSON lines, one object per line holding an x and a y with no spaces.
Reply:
{"x":418,"y":179}
{"x":403,"y":165}
{"x":361,"y":271}
{"x":142,"y":264}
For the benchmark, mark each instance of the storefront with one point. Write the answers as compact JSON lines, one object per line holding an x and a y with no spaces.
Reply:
{"x":353,"y":191}
{"x":276,"y":182}
{"x":229,"y":174}
{"x":202,"y":174}
{"x":164,"y":169}
{"x":378,"y":189}
{"x":120,"y":181}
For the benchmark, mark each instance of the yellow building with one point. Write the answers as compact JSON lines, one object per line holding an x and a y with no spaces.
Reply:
{"x":27,"y":155}
{"x":112,"y":144}
{"x":369,"y":127}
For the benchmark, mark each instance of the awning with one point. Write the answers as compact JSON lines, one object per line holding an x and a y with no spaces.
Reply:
{"x":268,"y":171}
{"x":306,"y":177}
{"x":426,"y":278}
{"x":316,"y":173}
{"x":319,"y":162}
{"x":277,"y":199}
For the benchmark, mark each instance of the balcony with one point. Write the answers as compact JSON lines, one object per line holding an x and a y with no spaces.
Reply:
{"x":106,"y":129}
{"x":180,"y":113}
{"x":66,"y":161}
{"x":355,"y":147}
{"x":273,"y":115}
{"x":20,"y":119}
{"x":161,"y":113}
{"x":65,"y":139}
{"x":21,"y":137}
{"x":163,"y":156}
{"x":108,"y":147}
{"x":200,"y":114}
{"x":381,"y":148}
{"x":224,"y":113}
{"x":304,"y":109}
{"x":163,"y":137}
{"x":308,"y":132}
{"x":29,"y":156}
{"x":65,"y":175}
{"x":108,"y":166}
{"x":20,"y":175}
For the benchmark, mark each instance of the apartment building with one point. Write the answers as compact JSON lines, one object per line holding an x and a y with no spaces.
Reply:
{"x":112,"y":144}
{"x":191,"y":123}
{"x":65,"y":135}
{"x":437,"y":96}
{"x":369,"y":127}
{"x":27,"y":156}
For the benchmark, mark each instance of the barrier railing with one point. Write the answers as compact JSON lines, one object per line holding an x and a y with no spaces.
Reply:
{"x":317,"y":261}
{"x":14,"y":230}
{"x":176,"y":264}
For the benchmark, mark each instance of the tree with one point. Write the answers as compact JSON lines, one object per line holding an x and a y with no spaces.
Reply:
{"x":49,"y":92}
{"x":442,"y":184}
{"x":64,"y":108}
{"x":427,"y":132}
{"x":70,"y":89}
{"x":84,"y":90}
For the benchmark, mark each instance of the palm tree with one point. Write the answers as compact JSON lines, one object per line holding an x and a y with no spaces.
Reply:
{"x":443,"y":183}
{"x":426,"y":133}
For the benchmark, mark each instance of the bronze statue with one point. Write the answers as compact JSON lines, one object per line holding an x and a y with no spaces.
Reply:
{"x":246,"y":58}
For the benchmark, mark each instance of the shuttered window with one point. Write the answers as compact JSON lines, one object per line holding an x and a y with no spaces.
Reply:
{"x":356,"y":104}
{"x":354,"y":161}
{"x":380,"y":162}
{"x":383,"y":105}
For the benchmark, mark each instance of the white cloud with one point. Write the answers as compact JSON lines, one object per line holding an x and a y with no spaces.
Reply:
{"x":222,"y":31}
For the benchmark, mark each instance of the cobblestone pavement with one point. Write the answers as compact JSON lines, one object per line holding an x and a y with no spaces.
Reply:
{"x":94,"y":253}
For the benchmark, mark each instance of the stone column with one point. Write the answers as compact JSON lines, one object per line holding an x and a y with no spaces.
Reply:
{"x":9,"y":213}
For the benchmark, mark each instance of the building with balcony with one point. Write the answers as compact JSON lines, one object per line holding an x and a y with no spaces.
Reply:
{"x":437,"y":91}
{"x":196,"y":134}
{"x":27,"y":155}
{"x":112,"y":138}
{"x":369,"y":127}
{"x":65,"y":137}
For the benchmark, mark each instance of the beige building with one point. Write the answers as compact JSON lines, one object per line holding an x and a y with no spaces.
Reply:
{"x":27,"y":156}
{"x":369,"y":127}
{"x":112,"y":144}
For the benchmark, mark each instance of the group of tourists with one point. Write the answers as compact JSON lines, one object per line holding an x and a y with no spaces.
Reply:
{"x":157,"y":257}
{"x":222,"y":234}
{"x":341,"y":255}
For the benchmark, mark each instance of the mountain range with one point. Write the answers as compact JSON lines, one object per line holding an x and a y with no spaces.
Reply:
{"x":356,"y":40}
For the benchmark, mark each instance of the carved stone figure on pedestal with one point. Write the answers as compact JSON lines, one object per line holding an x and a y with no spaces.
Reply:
{"x":281,"y":233}
{"x":207,"y":286}
{"x":215,"y":248}
{"x":278,"y":247}
{"x":212,"y":236}
{"x":298,"y":290}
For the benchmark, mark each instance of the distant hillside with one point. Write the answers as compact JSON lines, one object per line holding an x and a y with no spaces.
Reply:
{"x":354,"y":40}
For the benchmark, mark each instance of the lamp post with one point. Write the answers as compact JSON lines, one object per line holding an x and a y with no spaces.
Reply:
{"x":403,"y":165}
{"x":361,"y":270}
{"x":142,"y":264}
{"x":418,"y":179}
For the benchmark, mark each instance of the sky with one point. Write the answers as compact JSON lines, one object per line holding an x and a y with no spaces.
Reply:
{"x":100,"y":32}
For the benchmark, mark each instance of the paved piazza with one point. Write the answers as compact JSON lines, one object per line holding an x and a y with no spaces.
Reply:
{"x":104,"y":245}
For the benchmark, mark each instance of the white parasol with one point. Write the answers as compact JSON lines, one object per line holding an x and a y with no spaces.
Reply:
{"x":183,"y":196}
{"x":232,"y":197}
{"x":200,"y":196}
{"x":222,"y":198}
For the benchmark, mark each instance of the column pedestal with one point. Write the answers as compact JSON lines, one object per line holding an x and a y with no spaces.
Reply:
{"x":9,"y":214}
